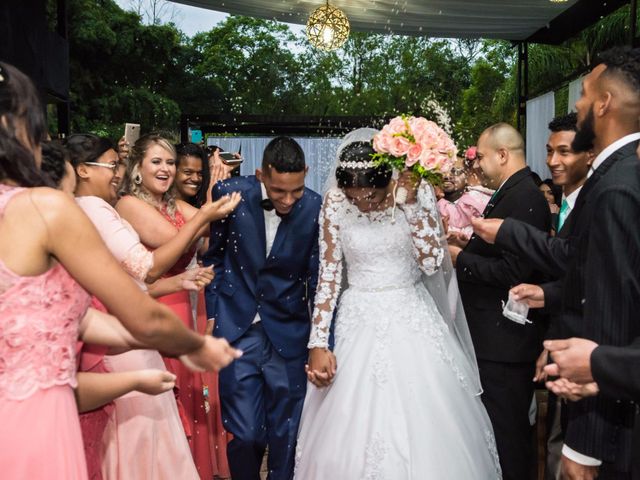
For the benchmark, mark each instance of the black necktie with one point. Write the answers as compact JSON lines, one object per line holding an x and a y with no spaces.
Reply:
{"x":267,"y":204}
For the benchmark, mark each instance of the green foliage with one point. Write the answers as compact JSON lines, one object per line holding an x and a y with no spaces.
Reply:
{"x":125,"y":71}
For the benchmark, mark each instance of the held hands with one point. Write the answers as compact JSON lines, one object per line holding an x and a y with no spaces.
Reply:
{"x":214,"y":355}
{"x":486,"y":228}
{"x":574,"y":471}
{"x":221,"y":208}
{"x":572,"y":391}
{"x":532,"y":295}
{"x":572,"y":359}
{"x":322,"y":367}
{"x":195,"y":279}
{"x":154,"y":382}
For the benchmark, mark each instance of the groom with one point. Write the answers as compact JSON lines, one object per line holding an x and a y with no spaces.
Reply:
{"x":265,"y":257}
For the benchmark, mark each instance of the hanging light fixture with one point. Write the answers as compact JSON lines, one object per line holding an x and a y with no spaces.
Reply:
{"x":328,"y":28}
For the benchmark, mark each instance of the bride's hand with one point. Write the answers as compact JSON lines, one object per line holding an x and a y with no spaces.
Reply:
{"x":410,"y":182}
{"x":321,"y":367}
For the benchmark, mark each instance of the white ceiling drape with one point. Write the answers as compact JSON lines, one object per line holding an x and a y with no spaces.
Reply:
{"x":505,"y":19}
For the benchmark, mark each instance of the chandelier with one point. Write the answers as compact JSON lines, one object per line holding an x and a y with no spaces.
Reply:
{"x":328,"y":28}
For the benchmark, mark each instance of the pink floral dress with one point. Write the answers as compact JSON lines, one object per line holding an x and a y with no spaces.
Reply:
{"x":39,"y":321}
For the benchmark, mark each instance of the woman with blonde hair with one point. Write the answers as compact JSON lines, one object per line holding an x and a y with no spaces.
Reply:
{"x":149,"y":203}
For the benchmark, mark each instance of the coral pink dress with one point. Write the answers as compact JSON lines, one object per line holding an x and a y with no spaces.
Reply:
{"x":39,"y":319}
{"x":144,"y":439}
{"x":197,"y":412}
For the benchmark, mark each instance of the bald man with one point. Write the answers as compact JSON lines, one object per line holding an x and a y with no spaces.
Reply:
{"x":506,"y":351}
{"x":601,"y":257}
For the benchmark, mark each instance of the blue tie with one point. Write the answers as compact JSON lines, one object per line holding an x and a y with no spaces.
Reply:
{"x":564,"y":213}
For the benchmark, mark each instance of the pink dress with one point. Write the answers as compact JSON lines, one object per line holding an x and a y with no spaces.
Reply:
{"x":470,"y":205}
{"x":198,"y":417}
{"x":39,"y":319}
{"x":144,"y":438}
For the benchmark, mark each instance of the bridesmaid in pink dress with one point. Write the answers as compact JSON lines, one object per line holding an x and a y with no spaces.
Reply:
{"x":144,"y":438}
{"x":45,"y":240}
{"x":152,"y":208}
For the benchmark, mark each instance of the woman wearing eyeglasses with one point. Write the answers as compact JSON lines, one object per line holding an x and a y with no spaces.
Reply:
{"x":138,"y":419}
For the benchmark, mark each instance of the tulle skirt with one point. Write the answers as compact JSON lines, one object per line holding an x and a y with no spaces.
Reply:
{"x":399,"y":406}
{"x":40,"y":437}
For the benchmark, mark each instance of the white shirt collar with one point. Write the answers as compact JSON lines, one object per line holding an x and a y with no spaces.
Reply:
{"x":264,"y":191}
{"x":572,"y":197}
{"x":606,"y":153}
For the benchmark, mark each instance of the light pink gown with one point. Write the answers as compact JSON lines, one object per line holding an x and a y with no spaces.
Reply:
{"x":39,"y":319}
{"x":145,"y":438}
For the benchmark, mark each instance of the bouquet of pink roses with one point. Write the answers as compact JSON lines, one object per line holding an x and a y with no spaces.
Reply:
{"x":416,"y":144}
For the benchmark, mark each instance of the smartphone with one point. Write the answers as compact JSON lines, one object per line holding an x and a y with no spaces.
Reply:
{"x":131,"y":132}
{"x":230,"y":159}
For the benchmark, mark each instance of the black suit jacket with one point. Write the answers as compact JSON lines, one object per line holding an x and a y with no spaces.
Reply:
{"x":617,"y":370}
{"x":601,"y":295}
{"x":601,"y":290}
{"x":487,"y":272}
{"x":553,"y":290}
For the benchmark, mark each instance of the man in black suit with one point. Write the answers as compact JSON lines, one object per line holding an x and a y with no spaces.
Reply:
{"x":569,"y":170}
{"x":506,"y":351}
{"x":601,"y":293}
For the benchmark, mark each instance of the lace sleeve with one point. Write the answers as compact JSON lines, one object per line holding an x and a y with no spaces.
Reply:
{"x":424,"y":223}
{"x":330,"y":273}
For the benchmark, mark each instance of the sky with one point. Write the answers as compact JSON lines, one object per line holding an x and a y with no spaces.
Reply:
{"x":192,"y":20}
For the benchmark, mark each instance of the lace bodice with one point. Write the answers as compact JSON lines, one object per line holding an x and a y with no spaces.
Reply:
{"x":39,"y":320}
{"x":380,"y":253}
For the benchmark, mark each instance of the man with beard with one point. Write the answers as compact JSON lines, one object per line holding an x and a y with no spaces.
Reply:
{"x":461,"y":201}
{"x":601,"y":257}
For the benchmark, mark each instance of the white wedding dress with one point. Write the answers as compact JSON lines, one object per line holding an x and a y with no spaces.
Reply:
{"x":402,"y":405}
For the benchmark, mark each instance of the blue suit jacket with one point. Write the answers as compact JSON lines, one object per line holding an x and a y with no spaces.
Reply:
{"x":281,"y":287}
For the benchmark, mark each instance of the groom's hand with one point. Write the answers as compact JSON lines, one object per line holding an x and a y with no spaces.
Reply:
{"x":322,"y":367}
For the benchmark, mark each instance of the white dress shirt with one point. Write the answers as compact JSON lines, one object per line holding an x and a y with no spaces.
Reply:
{"x":606,"y":153}
{"x":571,"y":199}
{"x":568,"y":452}
{"x":271,"y":224}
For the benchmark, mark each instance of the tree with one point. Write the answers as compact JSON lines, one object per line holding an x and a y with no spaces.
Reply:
{"x":248,"y":59}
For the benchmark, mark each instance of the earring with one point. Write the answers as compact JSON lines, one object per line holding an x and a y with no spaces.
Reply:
{"x":137,"y":179}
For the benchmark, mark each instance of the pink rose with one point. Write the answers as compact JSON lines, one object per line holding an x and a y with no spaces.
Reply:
{"x":399,"y":146}
{"x":395,"y":126}
{"x":381,"y":142}
{"x":419,"y":129}
{"x":413,"y":155}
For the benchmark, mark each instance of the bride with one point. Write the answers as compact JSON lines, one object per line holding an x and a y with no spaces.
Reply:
{"x":399,"y":396}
